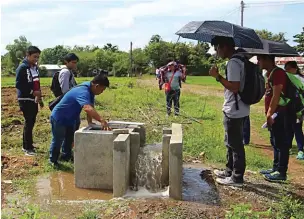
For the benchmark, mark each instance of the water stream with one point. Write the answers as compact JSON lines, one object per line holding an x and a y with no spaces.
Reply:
{"x":148,"y":168}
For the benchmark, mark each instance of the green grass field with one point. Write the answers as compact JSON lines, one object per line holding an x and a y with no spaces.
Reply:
{"x":129,"y":100}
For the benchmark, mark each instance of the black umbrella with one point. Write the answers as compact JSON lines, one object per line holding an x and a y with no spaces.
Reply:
{"x":206,"y":30}
{"x":278,"y":49}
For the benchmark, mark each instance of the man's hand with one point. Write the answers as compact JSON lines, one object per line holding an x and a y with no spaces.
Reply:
{"x":214,"y":71}
{"x":270,"y":120}
{"x":105,"y":126}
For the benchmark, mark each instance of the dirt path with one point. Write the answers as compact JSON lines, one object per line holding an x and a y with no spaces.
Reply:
{"x":196,"y":89}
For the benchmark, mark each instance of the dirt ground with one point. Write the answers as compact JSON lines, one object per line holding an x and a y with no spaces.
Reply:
{"x":257,"y":192}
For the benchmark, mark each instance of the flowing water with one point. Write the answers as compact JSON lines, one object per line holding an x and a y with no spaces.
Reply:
{"x":148,"y":168}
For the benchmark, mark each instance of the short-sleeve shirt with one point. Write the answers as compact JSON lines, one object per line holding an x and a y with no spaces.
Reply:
{"x":68,"y":110}
{"x":235,"y":73}
{"x":176,"y":79}
{"x":278,"y":77}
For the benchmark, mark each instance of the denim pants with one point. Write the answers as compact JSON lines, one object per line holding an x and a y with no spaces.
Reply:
{"x":236,"y":161}
{"x":62,"y":136}
{"x":68,"y":141}
{"x":173,"y":96}
{"x":246,"y":130}
{"x":298,"y":133}
{"x":280,"y":143}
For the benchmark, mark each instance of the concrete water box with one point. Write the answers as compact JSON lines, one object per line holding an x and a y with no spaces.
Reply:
{"x":93,"y":153}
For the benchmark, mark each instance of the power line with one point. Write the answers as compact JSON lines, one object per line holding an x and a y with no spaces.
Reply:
{"x":230,"y":13}
{"x":278,"y":3}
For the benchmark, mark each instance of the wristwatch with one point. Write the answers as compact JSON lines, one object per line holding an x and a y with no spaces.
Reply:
{"x":218,"y":78}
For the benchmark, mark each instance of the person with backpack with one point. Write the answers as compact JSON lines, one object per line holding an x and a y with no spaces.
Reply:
{"x":279,"y":126}
{"x":292,"y":68}
{"x":244,"y":85}
{"x":172,"y":80}
{"x":63,"y":81}
{"x":29,"y":95}
{"x":67,"y":111}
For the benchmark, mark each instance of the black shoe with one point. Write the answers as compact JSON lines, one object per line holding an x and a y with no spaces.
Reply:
{"x":30,"y":152}
{"x":275,"y":177}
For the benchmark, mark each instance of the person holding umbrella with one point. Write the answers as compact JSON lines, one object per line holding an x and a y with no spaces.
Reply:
{"x":233,"y":118}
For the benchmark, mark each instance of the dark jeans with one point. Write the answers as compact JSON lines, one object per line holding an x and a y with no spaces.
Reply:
{"x":298,"y":133}
{"x":173,"y":96}
{"x":236,"y":163}
{"x":246,"y":130}
{"x":279,"y":140}
{"x":61,"y":135}
{"x":29,"y":110}
{"x":68,"y":141}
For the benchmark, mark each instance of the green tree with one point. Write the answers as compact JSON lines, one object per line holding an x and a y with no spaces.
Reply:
{"x":299,"y":38}
{"x":110,"y":47}
{"x":17,"y":50}
{"x":267,"y":35}
{"x":160,"y":53}
{"x":53,"y":55}
{"x":7,"y":66}
{"x":121,"y":64}
{"x":140,"y":60}
{"x":104,"y":59}
{"x":156,"y":39}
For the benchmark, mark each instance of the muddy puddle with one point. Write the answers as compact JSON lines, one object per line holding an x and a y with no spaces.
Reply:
{"x":199,"y":186}
{"x":60,"y":187}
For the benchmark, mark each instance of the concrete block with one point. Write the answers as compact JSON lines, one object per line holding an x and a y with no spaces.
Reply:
{"x":167,"y":131}
{"x":134,"y":151}
{"x":142,"y":132}
{"x":121,"y":162}
{"x":93,"y":159}
{"x":165,"y":160}
{"x":176,"y":162}
{"x":177,"y":129}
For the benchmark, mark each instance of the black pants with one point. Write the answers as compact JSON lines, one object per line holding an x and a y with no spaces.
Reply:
{"x":236,"y":163}
{"x":173,"y":96}
{"x":30,"y":110}
{"x":279,"y":133}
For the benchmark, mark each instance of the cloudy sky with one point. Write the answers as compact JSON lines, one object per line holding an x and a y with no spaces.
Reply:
{"x":70,"y":22}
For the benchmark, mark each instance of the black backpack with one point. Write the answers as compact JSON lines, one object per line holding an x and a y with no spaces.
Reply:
{"x":254,"y":86}
{"x":55,"y":86}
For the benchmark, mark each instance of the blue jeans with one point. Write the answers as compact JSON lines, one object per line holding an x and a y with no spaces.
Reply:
{"x":62,"y":136}
{"x":68,"y":141}
{"x":246,"y":130}
{"x":173,"y":96}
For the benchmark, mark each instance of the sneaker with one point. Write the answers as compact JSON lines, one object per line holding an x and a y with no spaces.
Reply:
{"x":29,"y":152}
{"x":228,"y":182}
{"x":269,"y":171}
{"x":275,"y":177}
{"x":300,"y":155}
{"x":220,"y":173}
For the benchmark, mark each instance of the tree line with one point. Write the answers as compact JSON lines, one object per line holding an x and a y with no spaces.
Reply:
{"x":156,"y":53}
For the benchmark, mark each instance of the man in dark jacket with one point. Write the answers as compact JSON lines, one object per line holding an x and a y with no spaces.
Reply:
{"x":29,"y":95}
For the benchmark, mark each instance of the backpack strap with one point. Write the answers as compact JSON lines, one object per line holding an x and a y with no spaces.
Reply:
{"x":235,"y":94}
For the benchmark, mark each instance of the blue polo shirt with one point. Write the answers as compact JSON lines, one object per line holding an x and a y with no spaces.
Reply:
{"x":68,"y":110}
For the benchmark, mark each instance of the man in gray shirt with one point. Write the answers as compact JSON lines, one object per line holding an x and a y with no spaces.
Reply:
{"x":234,"y":111}
{"x":67,"y":81}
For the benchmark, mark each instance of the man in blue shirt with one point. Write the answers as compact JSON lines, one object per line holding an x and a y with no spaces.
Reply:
{"x":67,"y":111}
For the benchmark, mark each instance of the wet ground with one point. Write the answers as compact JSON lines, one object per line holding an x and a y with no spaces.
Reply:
{"x":60,"y":187}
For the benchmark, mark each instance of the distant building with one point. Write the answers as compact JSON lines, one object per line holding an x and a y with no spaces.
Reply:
{"x":52,"y":69}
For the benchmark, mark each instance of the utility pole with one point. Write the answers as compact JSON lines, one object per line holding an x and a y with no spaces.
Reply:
{"x":131,"y":60}
{"x":242,"y":12}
